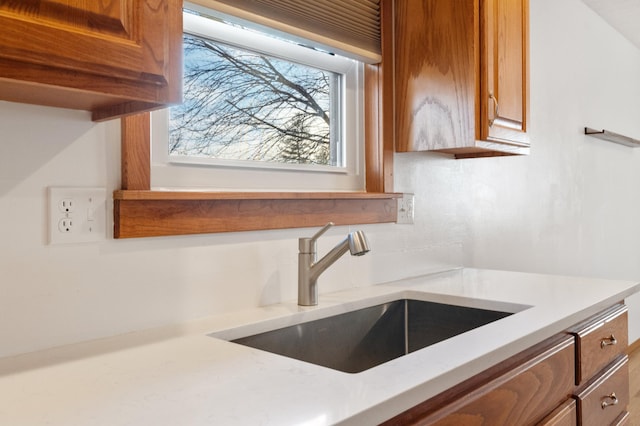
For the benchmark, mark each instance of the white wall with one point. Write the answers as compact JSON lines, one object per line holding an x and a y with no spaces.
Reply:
{"x":54,"y":295}
{"x":567,"y":208}
{"x":572,"y":206}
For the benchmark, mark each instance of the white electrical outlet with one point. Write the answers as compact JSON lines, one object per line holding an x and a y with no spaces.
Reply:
{"x":65,"y":225}
{"x":405,"y":209}
{"x":77,"y":215}
{"x":65,"y":205}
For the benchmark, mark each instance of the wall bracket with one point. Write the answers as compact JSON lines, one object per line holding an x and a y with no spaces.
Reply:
{"x":612,"y":137}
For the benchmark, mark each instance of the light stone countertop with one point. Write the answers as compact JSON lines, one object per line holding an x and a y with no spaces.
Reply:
{"x":182,"y":376}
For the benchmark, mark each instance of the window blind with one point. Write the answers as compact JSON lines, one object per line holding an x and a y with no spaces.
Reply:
{"x":347,"y":27}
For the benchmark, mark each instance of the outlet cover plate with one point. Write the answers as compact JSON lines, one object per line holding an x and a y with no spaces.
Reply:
{"x":77,"y":215}
{"x":406,"y":206}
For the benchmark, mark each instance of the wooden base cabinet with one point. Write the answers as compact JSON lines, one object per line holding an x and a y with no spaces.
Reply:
{"x":111,"y":57}
{"x":575,"y":378}
{"x":461,"y":76}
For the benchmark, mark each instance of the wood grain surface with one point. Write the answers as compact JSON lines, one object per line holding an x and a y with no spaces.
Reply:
{"x":634,"y":384}
{"x":436,"y":67}
{"x":111,"y":56}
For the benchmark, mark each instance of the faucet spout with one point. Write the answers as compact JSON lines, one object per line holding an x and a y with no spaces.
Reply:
{"x":358,"y":244}
{"x":309,"y":269}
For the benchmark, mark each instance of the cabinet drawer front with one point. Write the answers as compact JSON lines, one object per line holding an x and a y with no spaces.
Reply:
{"x":600,"y":341}
{"x":519,"y":397}
{"x":606,"y":399}
{"x":564,"y":415}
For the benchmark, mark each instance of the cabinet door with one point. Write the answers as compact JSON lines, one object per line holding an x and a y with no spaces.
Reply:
{"x":436,"y":55}
{"x":504,"y":80}
{"x":522,"y":396}
{"x":121,"y":49}
{"x":522,"y":391}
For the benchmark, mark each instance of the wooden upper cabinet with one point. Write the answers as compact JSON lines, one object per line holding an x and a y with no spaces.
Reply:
{"x":112,"y":57}
{"x":460,"y":76}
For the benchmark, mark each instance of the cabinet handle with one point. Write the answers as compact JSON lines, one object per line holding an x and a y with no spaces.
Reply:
{"x":614,"y":400}
{"x":495,"y":109}
{"x":609,"y":341}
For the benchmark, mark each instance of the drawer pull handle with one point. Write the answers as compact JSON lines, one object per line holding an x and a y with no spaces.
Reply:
{"x":612,"y":397}
{"x":611,"y":340}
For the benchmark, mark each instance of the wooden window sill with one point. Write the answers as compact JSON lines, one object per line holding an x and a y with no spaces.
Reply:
{"x":163,"y":213}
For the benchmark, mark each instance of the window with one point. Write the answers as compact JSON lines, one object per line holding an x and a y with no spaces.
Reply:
{"x":140,"y":211}
{"x":258,"y":109}
{"x":247,"y":106}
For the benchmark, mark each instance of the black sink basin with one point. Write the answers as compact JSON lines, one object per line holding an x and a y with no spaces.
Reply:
{"x":356,"y":341}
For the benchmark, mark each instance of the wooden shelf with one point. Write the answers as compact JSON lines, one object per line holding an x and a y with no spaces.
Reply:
{"x":223,"y":195}
{"x":612,"y":137}
{"x":162,"y":213}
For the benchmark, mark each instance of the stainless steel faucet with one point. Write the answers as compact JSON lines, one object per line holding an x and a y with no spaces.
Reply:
{"x":309,"y":269}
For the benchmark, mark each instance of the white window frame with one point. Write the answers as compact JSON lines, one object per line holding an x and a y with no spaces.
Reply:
{"x":169,"y":172}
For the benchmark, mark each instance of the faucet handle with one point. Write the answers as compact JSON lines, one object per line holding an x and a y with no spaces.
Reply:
{"x":321,"y":231}
{"x":308,"y":245}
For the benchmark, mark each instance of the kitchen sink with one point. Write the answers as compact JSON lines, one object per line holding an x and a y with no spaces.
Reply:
{"x":356,"y":341}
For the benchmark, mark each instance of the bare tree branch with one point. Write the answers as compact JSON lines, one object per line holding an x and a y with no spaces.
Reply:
{"x":251,"y":106}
